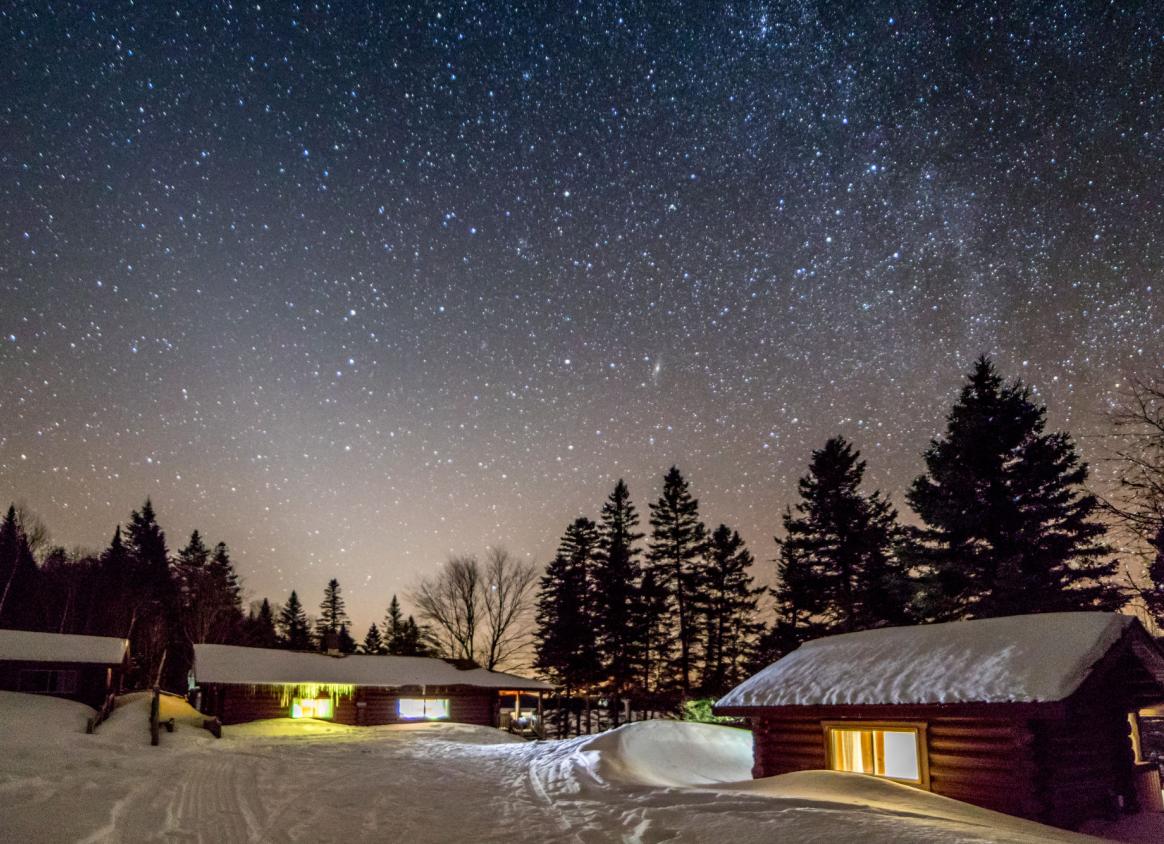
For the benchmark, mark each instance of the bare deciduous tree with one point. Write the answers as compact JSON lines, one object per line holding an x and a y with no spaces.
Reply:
{"x":508,"y":596}
{"x":450,"y":601}
{"x":478,"y":611}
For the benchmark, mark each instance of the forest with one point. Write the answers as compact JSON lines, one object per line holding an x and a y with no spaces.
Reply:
{"x":663,"y":611}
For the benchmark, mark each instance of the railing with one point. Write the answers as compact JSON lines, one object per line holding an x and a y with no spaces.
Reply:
{"x":94,"y":722}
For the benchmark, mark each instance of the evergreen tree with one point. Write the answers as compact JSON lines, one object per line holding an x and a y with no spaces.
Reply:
{"x":565,"y":648}
{"x":155,"y":631}
{"x":116,"y":603}
{"x":676,"y":548}
{"x":332,"y":615}
{"x":260,"y":627}
{"x":347,"y":645}
{"x":616,"y":574}
{"x":293,"y":625}
{"x":18,"y":576}
{"x":415,"y":640}
{"x":1008,"y":528}
{"x":837,"y":569}
{"x":226,"y":584}
{"x":373,"y":641}
{"x":654,"y":633}
{"x":1154,"y":594}
{"x":394,"y":629}
{"x":728,"y":601}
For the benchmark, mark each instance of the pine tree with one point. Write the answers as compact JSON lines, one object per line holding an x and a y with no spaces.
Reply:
{"x":226,"y":583}
{"x":415,"y":640}
{"x":677,"y":543}
{"x":373,"y":641}
{"x":1154,"y":594}
{"x":617,"y":572}
{"x":837,"y":569}
{"x":116,"y":604}
{"x":18,"y":576}
{"x":654,"y":633}
{"x":293,"y":625}
{"x":728,"y":601}
{"x":1008,"y":528}
{"x":155,"y":628}
{"x":347,"y":645}
{"x":260,"y":627}
{"x":332,"y":615}
{"x":565,"y":647}
{"x":394,"y":628}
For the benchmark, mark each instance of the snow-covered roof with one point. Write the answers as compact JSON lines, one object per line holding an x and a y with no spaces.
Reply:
{"x":28,"y":646}
{"x":1027,"y":658}
{"x":264,"y":666}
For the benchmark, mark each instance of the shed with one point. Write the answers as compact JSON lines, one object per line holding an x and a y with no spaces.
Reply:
{"x":246,"y":684}
{"x":83,"y":668}
{"x":1033,"y":715}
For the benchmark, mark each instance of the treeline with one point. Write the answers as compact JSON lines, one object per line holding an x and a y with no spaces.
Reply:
{"x":1005,"y":527}
{"x":166,"y":603}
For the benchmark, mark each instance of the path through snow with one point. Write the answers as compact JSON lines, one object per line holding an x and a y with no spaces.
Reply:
{"x":292,"y":780}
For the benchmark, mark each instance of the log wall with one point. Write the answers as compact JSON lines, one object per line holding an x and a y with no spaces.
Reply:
{"x":988,"y":762}
{"x":94,"y":682}
{"x":235,"y":704}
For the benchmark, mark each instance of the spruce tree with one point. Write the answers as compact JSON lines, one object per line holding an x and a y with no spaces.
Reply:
{"x":373,"y":641}
{"x":565,"y":648}
{"x":394,"y":629}
{"x":156,"y":631}
{"x":347,"y":645}
{"x":225,"y":580}
{"x":332,"y":615}
{"x":617,"y":572}
{"x":727,"y":600}
{"x":838,"y":571}
{"x":260,"y":627}
{"x":18,"y":576}
{"x":654,"y":631}
{"x":116,"y":603}
{"x":1008,"y":527}
{"x":415,"y":640}
{"x":293,"y":625}
{"x":676,"y":548}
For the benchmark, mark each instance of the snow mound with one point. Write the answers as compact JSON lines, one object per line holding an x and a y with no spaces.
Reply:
{"x":129,"y":722}
{"x":36,"y":719}
{"x":1026,"y":658}
{"x":309,"y":729}
{"x":670,"y":753}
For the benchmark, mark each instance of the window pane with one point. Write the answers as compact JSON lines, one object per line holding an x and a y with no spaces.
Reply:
{"x":436,"y":708}
{"x":410,"y":707}
{"x":306,"y":707}
{"x":900,"y":760}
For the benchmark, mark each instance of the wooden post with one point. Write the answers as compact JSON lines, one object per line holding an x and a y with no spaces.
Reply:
{"x":541,"y":726}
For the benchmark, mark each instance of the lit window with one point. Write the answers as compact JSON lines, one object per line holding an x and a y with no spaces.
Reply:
{"x":889,"y":751}
{"x":423,"y":707}
{"x":312,"y":707}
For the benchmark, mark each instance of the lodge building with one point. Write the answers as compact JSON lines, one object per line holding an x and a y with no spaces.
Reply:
{"x":237,"y":684}
{"x":82,"y":668}
{"x":1036,"y":716}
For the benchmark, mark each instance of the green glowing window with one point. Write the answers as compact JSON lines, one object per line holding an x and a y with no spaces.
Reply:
{"x":423,"y":707}
{"x":307,"y":707}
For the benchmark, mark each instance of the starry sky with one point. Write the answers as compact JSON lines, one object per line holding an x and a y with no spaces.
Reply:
{"x":353,"y":286}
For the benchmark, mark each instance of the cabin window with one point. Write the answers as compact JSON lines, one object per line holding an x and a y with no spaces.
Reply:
{"x":893,"y":751}
{"x":47,"y":682}
{"x":312,"y":707}
{"x":426,"y":707}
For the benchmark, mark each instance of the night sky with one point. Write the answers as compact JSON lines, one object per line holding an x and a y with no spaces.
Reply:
{"x":352,"y":286}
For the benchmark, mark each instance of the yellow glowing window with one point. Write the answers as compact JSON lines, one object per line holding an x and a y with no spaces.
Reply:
{"x":310,"y":707}
{"x":423,"y":707}
{"x":894,"y":752}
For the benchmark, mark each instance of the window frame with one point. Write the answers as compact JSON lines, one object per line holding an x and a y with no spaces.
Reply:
{"x":918,"y":728}
{"x":448,"y":709}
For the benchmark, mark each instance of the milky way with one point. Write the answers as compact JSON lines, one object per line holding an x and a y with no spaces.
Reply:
{"x":350,"y":287}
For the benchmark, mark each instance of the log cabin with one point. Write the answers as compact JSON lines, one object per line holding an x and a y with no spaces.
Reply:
{"x":82,"y":668}
{"x":1035,"y":716}
{"x":237,"y":684}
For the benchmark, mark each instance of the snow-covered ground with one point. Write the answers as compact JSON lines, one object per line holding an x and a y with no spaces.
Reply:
{"x":308,"y":780}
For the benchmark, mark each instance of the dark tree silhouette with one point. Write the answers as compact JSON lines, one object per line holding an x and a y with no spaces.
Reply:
{"x":1008,"y":528}
{"x":617,"y":572}
{"x":293,"y":625}
{"x":727,"y":600}
{"x":676,"y":548}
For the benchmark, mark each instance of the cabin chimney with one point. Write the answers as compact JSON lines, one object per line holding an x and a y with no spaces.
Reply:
{"x":331,"y":643}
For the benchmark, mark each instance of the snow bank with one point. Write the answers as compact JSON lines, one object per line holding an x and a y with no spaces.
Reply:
{"x":27,"y":646}
{"x":671,"y":753}
{"x":1025,"y":658}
